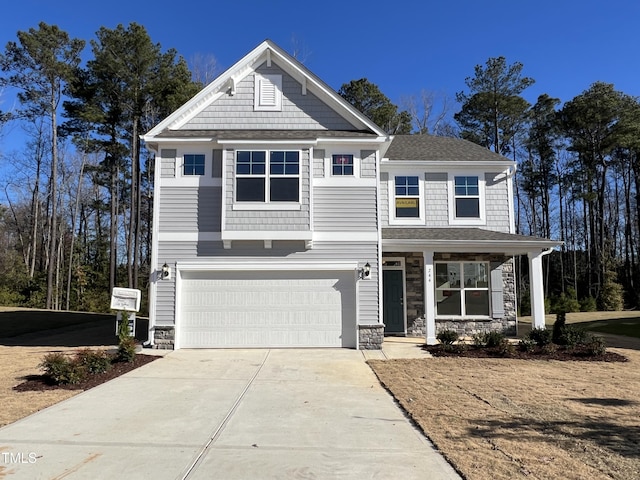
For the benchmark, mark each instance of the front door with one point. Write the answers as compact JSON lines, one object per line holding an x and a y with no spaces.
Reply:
{"x":393,"y":301}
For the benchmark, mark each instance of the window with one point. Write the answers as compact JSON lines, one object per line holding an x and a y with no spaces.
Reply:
{"x":268,"y":92}
{"x":467,"y":197}
{"x":407,"y":197}
{"x":193,"y":164}
{"x":462,"y":289}
{"x":263,"y":176}
{"x":342,"y":165}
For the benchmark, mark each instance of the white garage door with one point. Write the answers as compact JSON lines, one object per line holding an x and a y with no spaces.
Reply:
{"x":267,"y":309}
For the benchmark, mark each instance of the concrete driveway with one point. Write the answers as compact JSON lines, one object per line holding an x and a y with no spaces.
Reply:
{"x":227,"y":414}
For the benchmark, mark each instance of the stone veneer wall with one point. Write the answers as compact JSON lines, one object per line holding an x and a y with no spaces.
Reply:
{"x":414,"y":265}
{"x":164,"y":338}
{"x":370,"y":336}
{"x":506,"y":324}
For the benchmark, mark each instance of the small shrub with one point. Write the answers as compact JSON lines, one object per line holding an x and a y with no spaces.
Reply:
{"x":595,"y":346}
{"x":447,"y":337}
{"x":479,"y":339}
{"x":571,"y":336}
{"x":61,"y":369}
{"x":126,"y":350}
{"x":588,"y":304}
{"x":526,"y":344}
{"x":494,"y":339}
{"x":506,"y":348}
{"x":549,"y":348}
{"x":558,"y":327}
{"x":95,"y":361}
{"x":541,"y":336}
{"x":565,"y":303}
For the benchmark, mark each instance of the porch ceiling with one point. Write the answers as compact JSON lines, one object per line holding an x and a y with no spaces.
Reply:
{"x":470,"y":240}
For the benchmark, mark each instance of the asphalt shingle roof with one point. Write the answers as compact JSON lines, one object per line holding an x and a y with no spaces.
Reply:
{"x":429,"y":147}
{"x":454,"y":234}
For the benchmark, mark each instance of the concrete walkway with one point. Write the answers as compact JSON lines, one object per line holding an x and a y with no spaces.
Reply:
{"x":228,"y":414}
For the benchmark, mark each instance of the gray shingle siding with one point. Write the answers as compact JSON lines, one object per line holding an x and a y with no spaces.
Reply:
{"x":318,"y":163}
{"x":436,"y":200}
{"x":298,"y":111}
{"x":168,"y":163}
{"x":497,"y":203}
{"x":270,"y":220}
{"x":368,"y":163}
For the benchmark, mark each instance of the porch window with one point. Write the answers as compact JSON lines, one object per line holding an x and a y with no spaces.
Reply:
{"x":462,"y":289}
{"x":268,"y":176}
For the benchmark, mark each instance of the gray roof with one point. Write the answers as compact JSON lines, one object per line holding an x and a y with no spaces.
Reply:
{"x":429,"y":147}
{"x":467,"y":239}
{"x":266,"y":134}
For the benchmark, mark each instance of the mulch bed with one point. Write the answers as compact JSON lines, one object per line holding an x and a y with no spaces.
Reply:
{"x":41,"y":382}
{"x":562,"y":354}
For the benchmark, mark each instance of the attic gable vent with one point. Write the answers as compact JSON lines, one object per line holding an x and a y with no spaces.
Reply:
{"x":268,"y":92}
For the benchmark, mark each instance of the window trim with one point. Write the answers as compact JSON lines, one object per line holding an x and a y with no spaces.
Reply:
{"x":267,"y":203}
{"x":260,"y":86}
{"x":453,"y":219}
{"x":462,"y":289}
{"x":393,"y":220}
{"x":182,"y":165}
{"x":342,"y":175}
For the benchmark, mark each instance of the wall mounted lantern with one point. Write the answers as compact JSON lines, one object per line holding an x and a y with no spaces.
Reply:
{"x":365,"y":271}
{"x":166,"y":272}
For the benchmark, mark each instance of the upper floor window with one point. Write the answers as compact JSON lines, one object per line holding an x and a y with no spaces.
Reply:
{"x":267,"y":176}
{"x":268,"y":92}
{"x":406,"y":200}
{"x":467,"y":197}
{"x":407,"y":196}
{"x":342,"y":165}
{"x":193,"y":164}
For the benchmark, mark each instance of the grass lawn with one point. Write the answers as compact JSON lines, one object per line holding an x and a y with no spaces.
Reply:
{"x":629,"y":327}
{"x":15,"y":321}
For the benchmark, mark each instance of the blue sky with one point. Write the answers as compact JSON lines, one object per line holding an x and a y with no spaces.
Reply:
{"x":402,"y":46}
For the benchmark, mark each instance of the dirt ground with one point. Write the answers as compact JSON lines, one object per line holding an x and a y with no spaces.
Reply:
{"x":20,"y":356}
{"x":506,"y":419}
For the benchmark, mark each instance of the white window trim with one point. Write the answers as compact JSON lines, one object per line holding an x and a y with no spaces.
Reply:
{"x":328,"y":164}
{"x":267,"y":204}
{"x":263,"y":82}
{"x":463,"y":291}
{"x":393,"y":220}
{"x":453,"y":220}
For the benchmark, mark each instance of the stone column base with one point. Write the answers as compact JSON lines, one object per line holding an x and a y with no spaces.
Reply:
{"x":164,"y":338}
{"x":371,"y":336}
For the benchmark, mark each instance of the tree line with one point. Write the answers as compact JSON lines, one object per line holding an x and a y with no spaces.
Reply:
{"x":76,"y":219}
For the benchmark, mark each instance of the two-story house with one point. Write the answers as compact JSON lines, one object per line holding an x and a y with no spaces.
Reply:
{"x":283,"y":217}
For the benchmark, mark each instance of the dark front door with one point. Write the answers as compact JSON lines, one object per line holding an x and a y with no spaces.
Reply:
{"x":393,"y":301}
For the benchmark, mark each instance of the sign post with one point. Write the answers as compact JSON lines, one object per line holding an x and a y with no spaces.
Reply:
{"x":126,"y":300}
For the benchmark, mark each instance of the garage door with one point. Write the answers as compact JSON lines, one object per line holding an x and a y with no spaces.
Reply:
{"x":267,"y":309}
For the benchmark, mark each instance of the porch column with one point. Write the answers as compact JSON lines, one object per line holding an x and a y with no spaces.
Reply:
{"x":536,"y":287}
{"x":429,"y":299}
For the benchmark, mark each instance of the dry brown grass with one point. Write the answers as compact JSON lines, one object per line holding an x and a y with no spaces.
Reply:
{"x":15,"y":363}
{"x":502,"y":418}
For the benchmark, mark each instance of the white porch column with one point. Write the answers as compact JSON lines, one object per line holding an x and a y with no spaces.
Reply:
{"x":429,"y":299}
{"x":536,"y":288}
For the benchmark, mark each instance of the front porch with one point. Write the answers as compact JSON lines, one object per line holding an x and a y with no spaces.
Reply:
{"x":460,"y":279}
